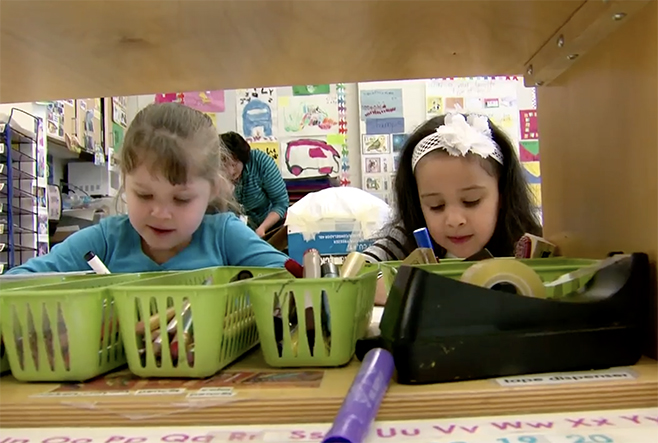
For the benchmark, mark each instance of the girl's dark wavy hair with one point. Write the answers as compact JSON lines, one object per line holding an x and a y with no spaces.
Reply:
{"x":515,"y":216}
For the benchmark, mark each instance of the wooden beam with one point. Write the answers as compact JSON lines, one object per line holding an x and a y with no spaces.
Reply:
{"x":588,"y":26}
{"x":99,"y":48}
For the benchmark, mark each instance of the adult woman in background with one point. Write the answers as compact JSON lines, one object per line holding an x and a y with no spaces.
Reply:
{"x":259,"y":186}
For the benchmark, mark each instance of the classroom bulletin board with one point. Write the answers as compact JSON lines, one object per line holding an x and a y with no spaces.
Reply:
{"x":387,"y":116}
{"x":302,"y":127}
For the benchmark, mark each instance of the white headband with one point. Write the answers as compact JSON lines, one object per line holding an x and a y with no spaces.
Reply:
{"x":459,"y":136}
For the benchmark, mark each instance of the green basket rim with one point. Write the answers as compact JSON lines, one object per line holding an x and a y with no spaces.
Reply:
{"x":267,"y":281}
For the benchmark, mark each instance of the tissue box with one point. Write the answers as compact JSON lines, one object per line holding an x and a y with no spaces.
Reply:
{"x":333,"y":240}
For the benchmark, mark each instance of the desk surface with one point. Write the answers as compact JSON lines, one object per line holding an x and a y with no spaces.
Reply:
{"x":249,"y":392}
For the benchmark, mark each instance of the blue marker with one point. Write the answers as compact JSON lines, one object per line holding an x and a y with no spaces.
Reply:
{"x":423,"y":239}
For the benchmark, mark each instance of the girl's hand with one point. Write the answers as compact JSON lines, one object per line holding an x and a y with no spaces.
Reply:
{"x":260,"y":232}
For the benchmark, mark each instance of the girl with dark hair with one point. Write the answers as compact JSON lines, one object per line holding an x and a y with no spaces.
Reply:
{"x":459,"y":177}
{"x":259,"y":186}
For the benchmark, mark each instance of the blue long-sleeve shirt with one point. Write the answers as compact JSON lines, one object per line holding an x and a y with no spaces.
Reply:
{"x":261,"y":189}
{"x":220,"y":240}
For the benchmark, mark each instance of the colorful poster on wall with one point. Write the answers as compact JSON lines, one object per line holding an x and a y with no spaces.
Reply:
{"x":308,"y":115}
{"x":169,"y":97}
{"x":529,"y":150}
{"x":270,"y":148}
{"x":384,"y":126}
{"x":310,"y":157}
{"x":311,"y":89}
{"x":205,"y":101}
{"x":434,"y":106}
{"x":381,"y":103}
{"x":375,"y":144}
{"x":528,"y":119}
{"x":256,"y":113}
{"x":398,"y":141}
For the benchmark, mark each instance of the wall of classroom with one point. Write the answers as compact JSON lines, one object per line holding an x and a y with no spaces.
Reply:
{"x":505,"y":100}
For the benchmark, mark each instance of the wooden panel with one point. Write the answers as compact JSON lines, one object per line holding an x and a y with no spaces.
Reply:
{"x":95,"y":48}
{"x":584,"y":31}
{"x":599,"y":147}
{"x":301,"y":402}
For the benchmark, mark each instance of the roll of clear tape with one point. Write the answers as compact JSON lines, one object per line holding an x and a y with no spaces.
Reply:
{"x":503,"y":271}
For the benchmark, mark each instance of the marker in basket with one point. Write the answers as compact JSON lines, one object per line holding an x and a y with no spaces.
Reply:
{"x":423,"y":239}
{"x":294,"y":268}
{"x":352,"y":265}
{"x":242,"y":275}
{"x":312,"y":269}
{"x":329,"y":270}
{"x":361,"y":405}
{"x":96,"y":264}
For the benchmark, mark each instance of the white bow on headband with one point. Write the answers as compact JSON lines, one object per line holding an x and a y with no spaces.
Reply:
{"x":459,"y":136}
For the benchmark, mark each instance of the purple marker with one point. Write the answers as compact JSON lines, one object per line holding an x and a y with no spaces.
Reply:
{"x":361,"y":405}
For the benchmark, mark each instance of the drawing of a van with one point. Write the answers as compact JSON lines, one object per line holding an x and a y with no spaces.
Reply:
{"x":308,"y":154}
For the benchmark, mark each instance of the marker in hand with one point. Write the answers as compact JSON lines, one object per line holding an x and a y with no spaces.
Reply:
{"x":96,"y":264}
{"x":423,"y":238}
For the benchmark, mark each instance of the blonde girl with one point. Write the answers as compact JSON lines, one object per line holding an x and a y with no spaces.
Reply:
{"x":173,"y":167}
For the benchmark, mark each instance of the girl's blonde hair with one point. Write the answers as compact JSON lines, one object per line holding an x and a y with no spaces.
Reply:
{"x":180,"y":143}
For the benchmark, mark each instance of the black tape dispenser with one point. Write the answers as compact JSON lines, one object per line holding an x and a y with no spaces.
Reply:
{"x":440,"y":329}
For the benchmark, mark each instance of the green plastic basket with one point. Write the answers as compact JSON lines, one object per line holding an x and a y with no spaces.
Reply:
{"x":220,"y":313}
{"x":71,"y":328}
{"x":548,"y":269}
{"x":350,"y":303}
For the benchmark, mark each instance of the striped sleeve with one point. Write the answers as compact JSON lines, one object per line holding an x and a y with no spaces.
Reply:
{"x":273,"y":184}
{"x":389,"y":248}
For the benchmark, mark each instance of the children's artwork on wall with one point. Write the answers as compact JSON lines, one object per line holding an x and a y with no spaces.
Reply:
{"x":529,"y":150}
{"x":381,"y":103}
{"x":386,"y":164}
{"x":397,"y":141}
{"x":169,"y":97}
{"x":434,"y":106}
{"x":384,"y":125}
{"x":270,"y":148}
{"x":396,"y":162}
{"x":308,"y":115}
{"x":375,"y":144}
{"x":373,"y":165}
{"x":256,"y":113}
{"x":374,"y":184}
{"x":528,"y":119}
{"x":309,"y":157}
{"x":205,"y":101}
{"x":532,"y":172}
{"x":311,"y":89}
{"x":491,"y":103}
{"x":454,"y":104}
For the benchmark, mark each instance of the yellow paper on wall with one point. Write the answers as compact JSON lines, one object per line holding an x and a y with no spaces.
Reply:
{"x":270,"y":148}
{"x":284,"y":102}
{"x":213,"y":117}
{"x":336,"y":139}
